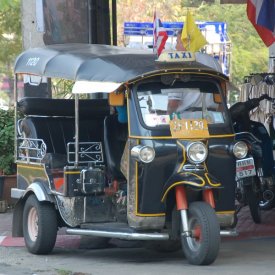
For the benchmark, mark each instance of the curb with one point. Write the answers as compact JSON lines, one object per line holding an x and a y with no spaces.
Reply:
{"x":62,"y":241}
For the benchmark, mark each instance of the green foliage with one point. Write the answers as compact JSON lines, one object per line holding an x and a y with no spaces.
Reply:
{"x":7,"y":165}
{"x":245,"y":40}
{"x":10,"y":34}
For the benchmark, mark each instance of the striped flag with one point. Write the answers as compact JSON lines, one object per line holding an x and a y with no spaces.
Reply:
{"x":160,"y":36}
{"x":261,"y":13}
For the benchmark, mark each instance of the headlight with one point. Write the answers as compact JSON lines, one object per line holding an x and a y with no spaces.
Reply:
{"x":240,"y":149}
{"x":145,"y":154}
{"x":197,"y":152}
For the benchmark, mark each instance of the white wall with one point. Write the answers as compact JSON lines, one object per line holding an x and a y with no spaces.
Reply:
{"x":31,"y":37}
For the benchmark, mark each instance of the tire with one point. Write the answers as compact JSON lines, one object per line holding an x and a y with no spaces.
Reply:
{"x":39,"y":226}
{"x":203,"y":248}
{"x":253,"y":204}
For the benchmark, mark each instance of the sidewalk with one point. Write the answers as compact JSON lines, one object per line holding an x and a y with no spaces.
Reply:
{"x":246,"y":228}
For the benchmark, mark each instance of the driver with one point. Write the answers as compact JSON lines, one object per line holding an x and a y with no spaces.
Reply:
{"x":189,"y":99}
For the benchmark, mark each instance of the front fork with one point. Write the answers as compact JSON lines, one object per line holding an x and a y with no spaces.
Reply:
{"x":182,"y":205}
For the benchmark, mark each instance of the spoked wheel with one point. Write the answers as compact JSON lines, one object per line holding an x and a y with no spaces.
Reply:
{"x":253,"y":203}
{"x":39,"y":226}
{"x":202,"y":247}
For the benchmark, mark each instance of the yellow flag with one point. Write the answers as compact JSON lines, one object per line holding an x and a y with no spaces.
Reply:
{"x":191,"y":36}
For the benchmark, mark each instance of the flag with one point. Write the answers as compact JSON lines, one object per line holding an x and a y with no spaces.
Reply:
{"x":159,"y":36}
{"x":261,"y":13}
{"x":191,"y":36}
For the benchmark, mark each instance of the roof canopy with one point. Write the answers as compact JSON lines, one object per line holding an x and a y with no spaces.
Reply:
{"x":98,"y":64}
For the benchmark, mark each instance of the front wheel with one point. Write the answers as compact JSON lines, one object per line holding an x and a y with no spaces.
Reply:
{"x":253,"y":203}
{"x":202,"y":246}
{"x":39,"y":226}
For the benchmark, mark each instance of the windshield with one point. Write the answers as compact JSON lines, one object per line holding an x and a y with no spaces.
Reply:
{"x":159,"y":103}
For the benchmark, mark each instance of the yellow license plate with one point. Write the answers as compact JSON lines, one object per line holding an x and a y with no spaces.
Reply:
{"x":189,"y":128}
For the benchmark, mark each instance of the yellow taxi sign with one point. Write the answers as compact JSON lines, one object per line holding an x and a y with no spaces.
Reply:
{"x":176,"y":56}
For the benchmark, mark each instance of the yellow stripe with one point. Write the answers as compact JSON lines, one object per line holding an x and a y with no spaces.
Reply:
{"x":71,"y":172}
{"x":184,"y":182}
{"x":209,"y":181}
{"x":30,"y":167}
{"x":150,"y":215}
{"x":170,"y":137}
{"x":179,"y":71}
{"x":184,"y":157}
{"x":136,"y":203}
{"x":136,"y":171}
{"x":225,"y":212}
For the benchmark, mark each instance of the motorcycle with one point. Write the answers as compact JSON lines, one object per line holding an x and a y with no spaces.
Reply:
{"x":258,"y":189}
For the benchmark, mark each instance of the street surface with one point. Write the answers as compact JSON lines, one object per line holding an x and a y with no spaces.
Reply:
{"x":250,"y":253}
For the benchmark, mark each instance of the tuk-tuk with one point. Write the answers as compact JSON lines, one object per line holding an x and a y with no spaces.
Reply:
{"x":163,"y":176}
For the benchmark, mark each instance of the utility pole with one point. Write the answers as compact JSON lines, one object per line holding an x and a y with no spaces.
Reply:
{"x":272,"y":58}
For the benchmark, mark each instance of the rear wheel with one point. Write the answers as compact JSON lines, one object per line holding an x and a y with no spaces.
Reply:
{"x":202,"y":247}
{"x":39,"y":226}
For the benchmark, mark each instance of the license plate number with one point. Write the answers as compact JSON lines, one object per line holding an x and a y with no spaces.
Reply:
{"x":245,"y":168}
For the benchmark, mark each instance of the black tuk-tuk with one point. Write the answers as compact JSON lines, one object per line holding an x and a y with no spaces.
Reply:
{"x":163,"y":175}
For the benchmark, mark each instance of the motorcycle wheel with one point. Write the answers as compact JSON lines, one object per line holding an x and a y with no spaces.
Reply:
{"x":267,"y":197}
{"x":202,"y":247}
{"x":39,"y":226}
{"x":266,"y":204}
{"x":253,"y":203}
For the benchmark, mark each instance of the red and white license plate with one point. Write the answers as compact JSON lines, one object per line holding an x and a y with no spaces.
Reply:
{"x":245,"y":168}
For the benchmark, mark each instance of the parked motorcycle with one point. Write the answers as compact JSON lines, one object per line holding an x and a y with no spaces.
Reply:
{"x":256,"y":191}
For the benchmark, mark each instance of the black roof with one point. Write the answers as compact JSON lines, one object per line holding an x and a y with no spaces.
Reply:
{"x":102,"y":63}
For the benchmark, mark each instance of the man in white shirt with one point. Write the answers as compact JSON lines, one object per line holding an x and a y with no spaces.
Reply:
{"x":188,"y":98}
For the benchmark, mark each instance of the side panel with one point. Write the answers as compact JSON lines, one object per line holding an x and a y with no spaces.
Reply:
{"x":30,"y":173}
{"x":222,"y":164}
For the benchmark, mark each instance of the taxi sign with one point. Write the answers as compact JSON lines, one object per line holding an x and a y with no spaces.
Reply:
{"x":176,"y":56}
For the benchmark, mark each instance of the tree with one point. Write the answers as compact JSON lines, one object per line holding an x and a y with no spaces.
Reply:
{"x":245,"y":40}
{"x":10,"y":33}
{"x":10,"y":36}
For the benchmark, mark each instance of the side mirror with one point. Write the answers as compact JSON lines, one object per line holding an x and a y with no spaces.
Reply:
{"x":116,"y":99}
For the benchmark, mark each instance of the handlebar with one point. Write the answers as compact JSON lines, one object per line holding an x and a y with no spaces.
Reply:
{"x":255,"y":102}
{"x":248,"y":136}
{"x":240,"y":110}
{"x":267,"y":97}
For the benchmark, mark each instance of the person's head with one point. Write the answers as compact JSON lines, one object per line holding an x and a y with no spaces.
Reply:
{"x":179,"y":45}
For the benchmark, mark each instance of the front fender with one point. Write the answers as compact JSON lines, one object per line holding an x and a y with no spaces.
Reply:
{"x":41,"y":191}
{"x":201,"y":180}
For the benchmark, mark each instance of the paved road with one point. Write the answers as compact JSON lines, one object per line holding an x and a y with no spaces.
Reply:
{"x":253,"y":252}
{"x":236,"y":257}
